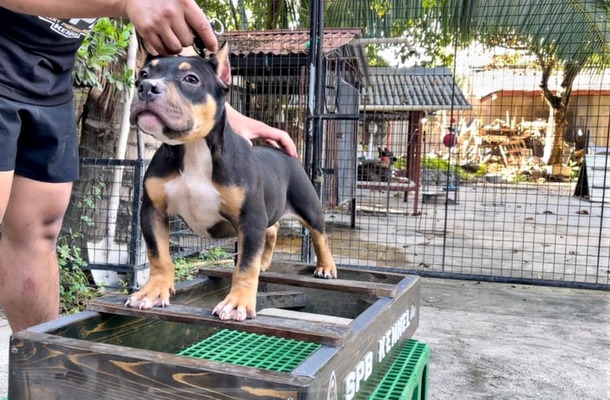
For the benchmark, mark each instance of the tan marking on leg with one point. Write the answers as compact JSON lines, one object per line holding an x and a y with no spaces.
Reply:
{"x":326,"y":267}
{"x":160,"y":285}
{"x":162,"y":266}
{"x":270,"y":240}
{"x":240,"y":303}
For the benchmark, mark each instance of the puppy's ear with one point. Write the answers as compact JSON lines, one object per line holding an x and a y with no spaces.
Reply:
{"x":223,"y":67}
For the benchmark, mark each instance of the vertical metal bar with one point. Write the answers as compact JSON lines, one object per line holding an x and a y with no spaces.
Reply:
{"x":135,"y":221}
{"x":598,"y":270}
{"x":138,"y":182}
{"x":310,"y":93}
{"x":318,"y":136}
{"x":446,"y":222}
{"x":313,"y":147}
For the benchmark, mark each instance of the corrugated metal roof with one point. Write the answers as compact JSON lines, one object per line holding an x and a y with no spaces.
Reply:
{"x":485,"y":83}
{"x":406,"y":89}
{"x":285,"y":41}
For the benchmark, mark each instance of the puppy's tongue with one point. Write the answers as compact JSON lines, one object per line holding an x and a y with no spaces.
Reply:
{"x":149,"y":122}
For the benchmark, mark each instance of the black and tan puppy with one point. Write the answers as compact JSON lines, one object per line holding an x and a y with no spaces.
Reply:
{"x":215,"y":181}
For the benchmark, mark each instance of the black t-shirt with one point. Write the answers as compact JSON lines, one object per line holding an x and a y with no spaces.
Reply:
{"x":37,"y":56}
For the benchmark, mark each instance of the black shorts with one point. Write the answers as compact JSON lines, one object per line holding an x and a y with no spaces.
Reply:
{"x":39,"y":142}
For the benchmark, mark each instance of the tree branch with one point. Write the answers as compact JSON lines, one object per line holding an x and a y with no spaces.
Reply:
{"x":548,"y":65}
{"x":570,"y":72}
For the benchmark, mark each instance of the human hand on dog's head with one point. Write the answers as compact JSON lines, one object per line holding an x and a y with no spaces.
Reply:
{"x":188,"y":52}
{"x":167,"y":26}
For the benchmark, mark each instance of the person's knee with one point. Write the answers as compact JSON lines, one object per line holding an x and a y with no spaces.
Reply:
{"x":35,"y":231}
{"x":51,"y":227}
{"x":35,"y":211}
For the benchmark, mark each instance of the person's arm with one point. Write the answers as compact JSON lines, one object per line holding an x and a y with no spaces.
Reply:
{"x":166,"y":25}
{"x":251,"y":129}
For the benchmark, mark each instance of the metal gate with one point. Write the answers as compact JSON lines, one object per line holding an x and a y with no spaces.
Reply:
{"x":455,"y":184}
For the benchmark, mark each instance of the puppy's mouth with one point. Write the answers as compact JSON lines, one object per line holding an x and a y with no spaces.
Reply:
{"x":150,"y":122}
{"x":154,"y":122}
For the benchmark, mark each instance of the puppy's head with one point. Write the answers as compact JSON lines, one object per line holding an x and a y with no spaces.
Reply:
{"x":180,"y":99}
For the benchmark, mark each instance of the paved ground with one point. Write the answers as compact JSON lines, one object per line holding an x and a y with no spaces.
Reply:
{"x":501,"y":341}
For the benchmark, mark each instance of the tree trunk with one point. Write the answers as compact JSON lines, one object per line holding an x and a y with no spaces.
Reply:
{"x":556,"y":157}
{"x":558,"y":104}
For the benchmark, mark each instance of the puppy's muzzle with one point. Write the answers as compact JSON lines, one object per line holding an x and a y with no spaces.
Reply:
{"x":151,"y":89}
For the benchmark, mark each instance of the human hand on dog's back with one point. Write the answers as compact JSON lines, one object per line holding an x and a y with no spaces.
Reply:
{"x":166,"y":26}
{"x":252,"y":129}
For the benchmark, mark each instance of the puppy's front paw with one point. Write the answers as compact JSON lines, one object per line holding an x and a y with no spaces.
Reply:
{"x":237,"y":306}
{"x":155,"y":293}
{"x":326,"y":272}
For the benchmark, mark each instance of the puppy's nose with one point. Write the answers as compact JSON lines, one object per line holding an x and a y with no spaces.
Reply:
{"x":150,"y":89}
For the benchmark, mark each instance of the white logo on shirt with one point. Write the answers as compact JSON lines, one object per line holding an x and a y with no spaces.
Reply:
{"x":70,"y":28}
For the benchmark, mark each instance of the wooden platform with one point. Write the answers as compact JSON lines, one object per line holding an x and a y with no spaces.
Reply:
{"x":114,"y":352}
{"x":391,"y":186}
{"x":388,"y":187}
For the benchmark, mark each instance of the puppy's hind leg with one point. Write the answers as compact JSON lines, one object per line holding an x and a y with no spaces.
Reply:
{"x":303,"y":200}
{"x":326,"y":267}
{"x":313,"y":220}
{"x":270,"y":240}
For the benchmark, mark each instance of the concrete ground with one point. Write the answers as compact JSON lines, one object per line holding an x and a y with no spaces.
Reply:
{"x":500,"y":341}
{"x":503,"y":341}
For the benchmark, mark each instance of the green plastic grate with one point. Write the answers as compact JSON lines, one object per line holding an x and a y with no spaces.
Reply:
{"x":252,"y":350}
{"x":404,"y":376}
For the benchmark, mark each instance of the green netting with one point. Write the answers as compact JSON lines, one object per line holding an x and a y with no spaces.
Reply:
{"x":404,"y":376}
{"x":252,"y":350}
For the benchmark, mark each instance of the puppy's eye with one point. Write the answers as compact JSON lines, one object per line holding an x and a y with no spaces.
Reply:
{"x":143,"y":74}
{"x":192,"y":79}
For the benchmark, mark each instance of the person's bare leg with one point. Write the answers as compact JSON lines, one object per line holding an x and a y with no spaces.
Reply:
{"x":29,"y":273}
{"x":6,"y":179}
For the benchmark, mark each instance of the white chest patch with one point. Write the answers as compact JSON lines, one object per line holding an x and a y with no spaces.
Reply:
{"x":192,"y":195}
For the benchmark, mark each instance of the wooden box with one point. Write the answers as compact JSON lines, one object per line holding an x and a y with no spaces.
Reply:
{"x":114,"y":352}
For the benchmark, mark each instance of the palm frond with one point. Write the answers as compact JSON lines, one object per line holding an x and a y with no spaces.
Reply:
{"x":571,"y":30}
{"x":377,"y":18}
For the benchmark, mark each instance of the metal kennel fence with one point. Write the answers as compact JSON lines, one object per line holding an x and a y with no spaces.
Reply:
{"x":435,"y":170}
{"x":429,"y":157}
